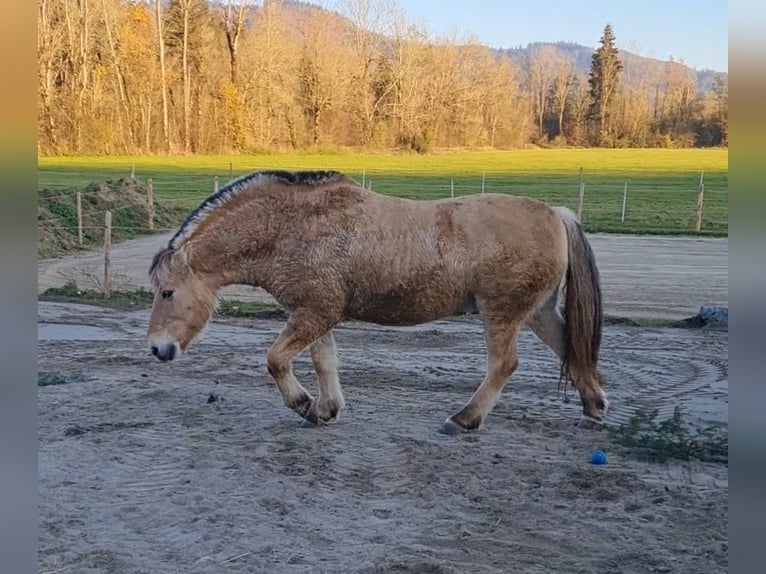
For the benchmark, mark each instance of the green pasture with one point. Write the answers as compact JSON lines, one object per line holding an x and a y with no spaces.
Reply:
{"x":661,"y":197}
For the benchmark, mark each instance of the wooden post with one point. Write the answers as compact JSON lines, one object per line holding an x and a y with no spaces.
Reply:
{"x":452,"y":188}
{"x":150,"y":202}
{"x":133,"y":172}
{"x":215,"y":184}
{"x":581,"y":198}
{"x":364,"y":174}
{"x":624,"y":202}
{"x":700,"y":203}
{"x":369,"y":181}
{"x":483,"y":177}
{"x":79,"y":218}
{"x":107,"y":254}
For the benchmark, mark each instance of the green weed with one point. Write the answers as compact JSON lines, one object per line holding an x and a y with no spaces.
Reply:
{"x":645,"y":438}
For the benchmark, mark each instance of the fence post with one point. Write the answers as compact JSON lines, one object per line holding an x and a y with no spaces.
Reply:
{"x":150,"y":202}
{"x":364,"y":174}
{"x":107,"y":253}
{"x":369,"y":181}
{"x":581,"y":198}
{"x":624,"y":202}
{"x":700,"y":202}
{"x":215,"y":184}
{"x":133,"y":171}
{"x":452,"y":188}
{"x":79,"y":217}
{"x":483,"y":177}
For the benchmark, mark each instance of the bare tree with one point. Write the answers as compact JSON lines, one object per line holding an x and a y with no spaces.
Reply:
{"x":318,"y":73}
{"x":163,"y":77}
{"x":49,"y":46}
{"x":408,"y":106}
{"x":185,"y":9}
{"x":540,"y":74}
{"x":123,"y":112}
{"x":578,"y":106}
{"x":232,"y":25}
{"x":77,"y":19}
{"x":676,"y":103}
{"x":562,"y":83}
{"x":371,"y":23}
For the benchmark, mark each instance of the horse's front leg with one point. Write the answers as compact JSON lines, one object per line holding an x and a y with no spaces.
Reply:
{"x":329,"y":403}
{"x":302,"y":329}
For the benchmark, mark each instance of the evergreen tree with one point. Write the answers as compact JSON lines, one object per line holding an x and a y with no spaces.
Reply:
{"x":603,"y":79}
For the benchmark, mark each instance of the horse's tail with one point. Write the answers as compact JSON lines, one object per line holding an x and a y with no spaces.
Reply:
{"x":584,"y":317}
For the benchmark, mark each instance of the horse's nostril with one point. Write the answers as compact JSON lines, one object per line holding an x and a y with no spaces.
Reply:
{"x":155,"y":350}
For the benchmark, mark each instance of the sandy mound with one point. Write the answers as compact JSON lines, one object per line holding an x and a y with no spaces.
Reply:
{"x":125,"y":197}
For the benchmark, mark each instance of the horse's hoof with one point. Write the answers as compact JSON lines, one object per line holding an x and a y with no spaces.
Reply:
{"x":450,"y":428}
{"x":302,"y":405}
{"x":307,"y":423}
{"x":589,"y":423}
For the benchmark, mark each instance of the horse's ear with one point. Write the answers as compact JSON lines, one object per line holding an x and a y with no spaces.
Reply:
{"x":182,"y":255}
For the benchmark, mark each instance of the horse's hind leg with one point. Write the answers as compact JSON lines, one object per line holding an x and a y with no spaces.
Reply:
{"x":330,"y":400}
{"x":302,"y":329}
{"x":502,"y":361}
{"x":548,"y":324}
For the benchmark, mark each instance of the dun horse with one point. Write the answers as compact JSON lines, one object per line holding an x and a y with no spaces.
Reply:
{"x":329,"y":250}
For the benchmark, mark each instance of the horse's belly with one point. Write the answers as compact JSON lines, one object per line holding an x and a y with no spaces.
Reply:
{"x":408,"y":307}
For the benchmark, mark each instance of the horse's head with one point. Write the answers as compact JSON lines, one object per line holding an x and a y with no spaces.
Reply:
{"x":183,"y":303}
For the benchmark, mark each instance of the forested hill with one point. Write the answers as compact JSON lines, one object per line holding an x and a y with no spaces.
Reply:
{"x":581,"y":57}
{"x":204,"y":76}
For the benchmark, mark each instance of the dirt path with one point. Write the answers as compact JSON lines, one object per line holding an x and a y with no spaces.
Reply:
{"x":197,"y":467}
{"x":643,"y":276}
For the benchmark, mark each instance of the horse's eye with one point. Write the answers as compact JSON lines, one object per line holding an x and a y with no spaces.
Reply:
{"x":167,"y":295}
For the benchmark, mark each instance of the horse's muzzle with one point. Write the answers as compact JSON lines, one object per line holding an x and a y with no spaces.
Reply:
{"x":164,"y":352}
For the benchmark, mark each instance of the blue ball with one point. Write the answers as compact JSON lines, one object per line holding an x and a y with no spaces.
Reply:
{"x":598,"y":457}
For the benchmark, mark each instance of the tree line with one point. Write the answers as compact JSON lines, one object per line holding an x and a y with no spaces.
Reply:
{"x":197,"y":76}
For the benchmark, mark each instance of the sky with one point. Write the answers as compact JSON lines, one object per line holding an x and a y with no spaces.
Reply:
{"x":696,"y":32}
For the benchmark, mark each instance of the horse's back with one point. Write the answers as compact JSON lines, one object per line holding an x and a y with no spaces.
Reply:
{"x":415,"y":261}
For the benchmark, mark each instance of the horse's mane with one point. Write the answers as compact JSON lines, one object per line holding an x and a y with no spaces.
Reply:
{"x":160,"y":263}
{"x":246,"y":183}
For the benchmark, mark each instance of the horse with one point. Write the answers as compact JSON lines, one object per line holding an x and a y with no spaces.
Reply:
{"x":328,"y":251}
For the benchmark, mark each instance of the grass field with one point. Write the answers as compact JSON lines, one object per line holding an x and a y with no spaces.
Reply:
{"x":662,"y":184}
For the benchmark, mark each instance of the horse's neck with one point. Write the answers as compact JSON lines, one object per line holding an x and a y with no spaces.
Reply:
{"x":233,"y":259}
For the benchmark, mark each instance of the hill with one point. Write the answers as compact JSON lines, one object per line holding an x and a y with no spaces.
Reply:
{"x":634,"y":63}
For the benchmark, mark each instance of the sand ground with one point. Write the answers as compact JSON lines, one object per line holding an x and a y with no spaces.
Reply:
{"x":197,"y":467}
